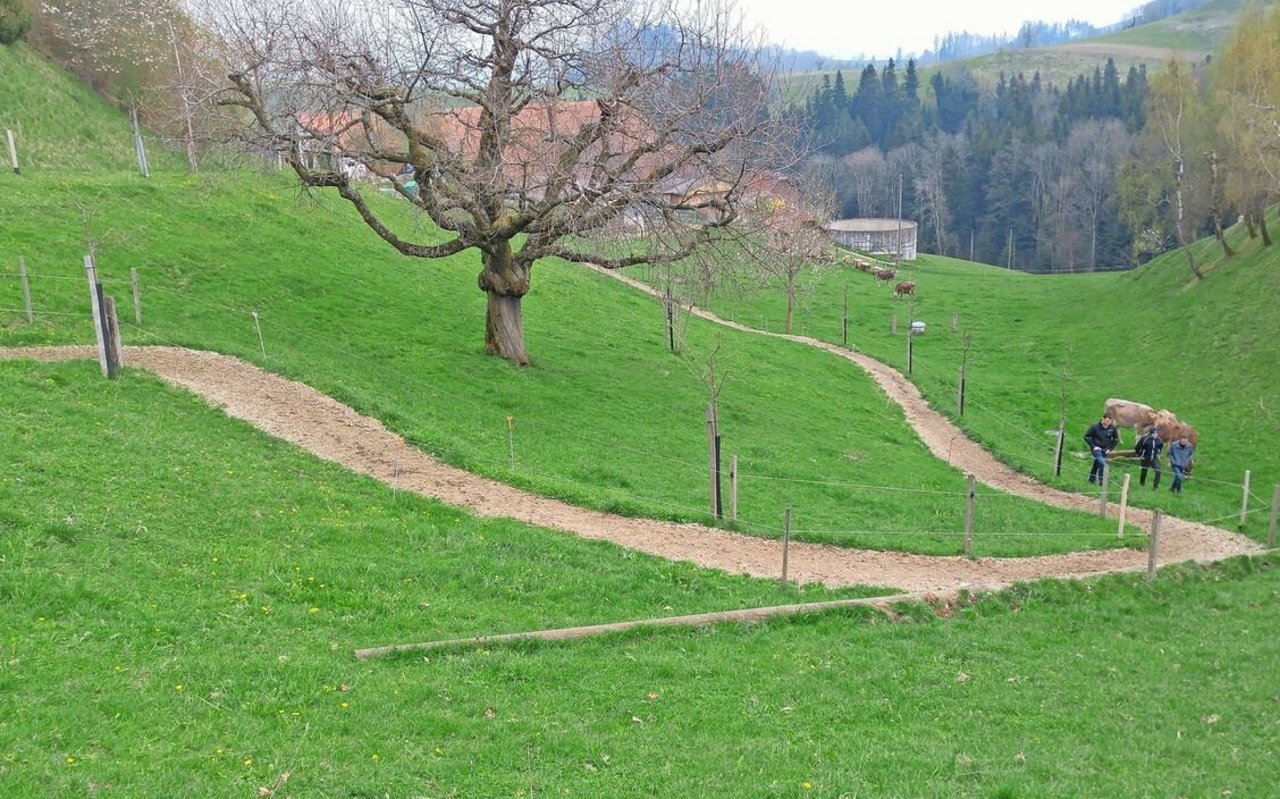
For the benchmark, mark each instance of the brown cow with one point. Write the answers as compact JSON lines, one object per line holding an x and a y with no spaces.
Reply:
{"x":1129,"y":414}
{"x":883,"y":274}
{"x":905,"y":287}
{"x":1171,"y":428}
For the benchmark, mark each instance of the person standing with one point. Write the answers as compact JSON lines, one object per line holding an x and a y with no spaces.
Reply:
{"x":1102,"y":437}
{"x":1149,"y":448}
{"x":1180,"y":454}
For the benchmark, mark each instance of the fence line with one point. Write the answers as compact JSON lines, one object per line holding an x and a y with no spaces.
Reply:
{"x":697,"y":513}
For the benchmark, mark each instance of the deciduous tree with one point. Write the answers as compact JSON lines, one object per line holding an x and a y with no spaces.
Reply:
{"x":603,"y":131}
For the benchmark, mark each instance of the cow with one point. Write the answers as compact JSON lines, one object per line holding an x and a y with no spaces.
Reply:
{"x":1126,"y":413}
{"x":1171,"y":428}
{"x":883,"y":274}
{"x":905,"y":287}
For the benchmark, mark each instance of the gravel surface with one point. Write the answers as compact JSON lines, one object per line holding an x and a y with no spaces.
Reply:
{"x":297,"y":413}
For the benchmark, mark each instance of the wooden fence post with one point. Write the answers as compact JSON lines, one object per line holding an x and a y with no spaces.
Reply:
{"x":1275,"y":511}
{"x":733,"y":487}
{"x":786,"y":544}
{"x":1102,"y":493}
{"x":1057,"y":452}
{"x":711,"y":454}
{"x":511,"y":442}
{"x":26,"y":289}
{"x":844,"y":322}
{"x":1153,"y":545}
{"x":893,"y":325}
{"x":137,"y":296}
{"x":139,"y":147}
{"x":1244,"y":502}
{"x":911,"y":344}
{"x":968,"y":517}
{"x":115,"y":350}
{"x":258,"y":327}
{"x":955,"y":321}
{"x":95,"y":304}
{"x":1124,"y":504}
{"x":13,"y":152}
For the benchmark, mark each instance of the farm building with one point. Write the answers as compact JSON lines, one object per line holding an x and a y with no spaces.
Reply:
{"x":876,"y":236}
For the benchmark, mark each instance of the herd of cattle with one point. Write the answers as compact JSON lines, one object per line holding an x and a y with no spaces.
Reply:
{"x":1126,"y":413}
{"x":882,"y":275}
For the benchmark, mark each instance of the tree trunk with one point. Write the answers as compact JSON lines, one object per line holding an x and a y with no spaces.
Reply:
{"x":505,"y":282}
{"x":791,"y":304}
{"x":1227,"y":252}
{"x":1248,"y":225}
{"x":1262,"y":226}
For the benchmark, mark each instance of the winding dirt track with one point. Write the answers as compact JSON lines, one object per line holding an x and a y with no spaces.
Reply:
{"x":297,"y":413}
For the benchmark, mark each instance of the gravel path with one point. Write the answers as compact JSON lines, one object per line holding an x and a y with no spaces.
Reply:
{"x":297,"y":413}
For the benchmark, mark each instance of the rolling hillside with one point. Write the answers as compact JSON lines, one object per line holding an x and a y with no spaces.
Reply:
{"x":182,"y":593}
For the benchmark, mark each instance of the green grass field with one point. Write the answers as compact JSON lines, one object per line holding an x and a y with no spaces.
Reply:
{"x":606,"y":417}
{"x":182,"y":594}
{"x":1204,"y":349}
{"x":172,"y":628}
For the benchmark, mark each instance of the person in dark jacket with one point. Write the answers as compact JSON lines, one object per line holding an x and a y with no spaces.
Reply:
{"x":1180,"y":454}
{"x":1149,"y":448}
{"x":1101,"y":438}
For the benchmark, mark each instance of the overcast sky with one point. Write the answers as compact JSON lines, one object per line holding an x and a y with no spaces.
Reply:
{"x":847,"y":28}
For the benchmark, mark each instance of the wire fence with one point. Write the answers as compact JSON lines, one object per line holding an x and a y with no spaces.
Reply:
{"x":531,"y":475}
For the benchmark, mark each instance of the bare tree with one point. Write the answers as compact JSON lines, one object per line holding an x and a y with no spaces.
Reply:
{"x":602,"y":131}
{"x":1171,"y":94}
{"x":795,"y":238}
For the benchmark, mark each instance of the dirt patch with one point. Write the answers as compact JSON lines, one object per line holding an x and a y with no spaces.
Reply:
{"x":328,"y":429}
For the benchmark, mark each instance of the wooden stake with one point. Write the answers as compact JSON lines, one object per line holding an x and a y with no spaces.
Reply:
{"x":1124,"y":504}
{"x":511,"y":442}
{"x":1244,"y":502}
{"x":115,"y":350}
{"x":968,"y":517}
{"x":1102,"y":492}
{"x":95,"y":303}
{"x":711,"y":455}
{"x":1153,"y":545}
{"x":911,"y":347}
{"x":1057,"y":452}
{"x":893,"y":325}
{"x":26,"y":289}
{"x":13,"y":152}
{"x":138,"y":146}
{"x":137,"y":297}
{"x":257,"y":326}
{"x":733,"y":487}
{"x":955,"y":321}
{"x":844,"y":322}
{"x":786,"y":544}
{"x":1275,"y":512}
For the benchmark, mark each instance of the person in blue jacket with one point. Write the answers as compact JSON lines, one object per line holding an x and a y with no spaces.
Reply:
{"x":1180,"y":455}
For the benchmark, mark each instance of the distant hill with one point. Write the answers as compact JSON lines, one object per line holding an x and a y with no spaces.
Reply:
{"x":1191,"y":35}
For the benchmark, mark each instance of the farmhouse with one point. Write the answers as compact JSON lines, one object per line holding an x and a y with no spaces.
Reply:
{"x":876,"y":236}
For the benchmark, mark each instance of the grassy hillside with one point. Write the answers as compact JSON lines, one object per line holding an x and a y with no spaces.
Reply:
{"x":1204,"y":349}
{"x":606,"y":417}
{"x":59,"y":123}
{"x":172,"y":628}
{"x":181,"y":593}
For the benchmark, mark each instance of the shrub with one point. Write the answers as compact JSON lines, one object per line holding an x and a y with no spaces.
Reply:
{"x":15,"y":21}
